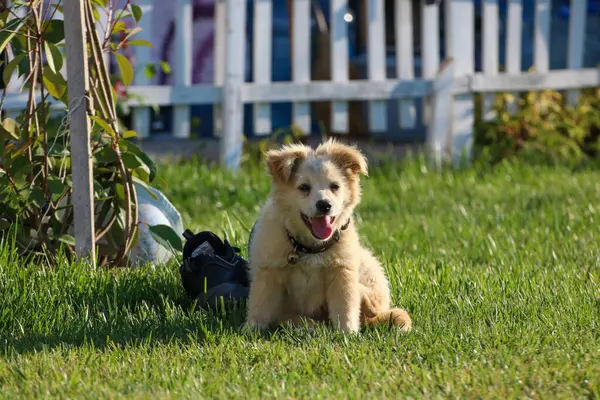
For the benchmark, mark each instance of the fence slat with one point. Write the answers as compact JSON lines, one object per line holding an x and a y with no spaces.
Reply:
{"x":101,"y":28}
{"x":263,"y":11}
{"x":430,"y":47}
{"x":448,"y":27}
{"x":339,"y":62}
{"x":512,"y":50}
{"x":219,"y":55}
{"x":376,"y":61}
{"x":491,"y":33}
{"x":79,"y":125}
{"x":231,"y":144}
{"x":531,"y":81}
{"x":463,"y":47}
{"x":404,"y":58}
{"x":141,"y":115}
{"x":183,"y":66}
{"x":577,"y":26}
{"x":301,"y":59}
{"x":438,"y":133}
{"x":542,"y":36}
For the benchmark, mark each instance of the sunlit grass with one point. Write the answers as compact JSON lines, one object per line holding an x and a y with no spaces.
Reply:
{"x":500,"y":269}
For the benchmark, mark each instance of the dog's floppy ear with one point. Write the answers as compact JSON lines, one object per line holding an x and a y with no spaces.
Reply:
{"x":282,"y":163}
{"x":344,"y":156}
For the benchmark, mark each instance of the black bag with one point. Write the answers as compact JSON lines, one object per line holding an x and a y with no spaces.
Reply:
{"x":212,"y":269}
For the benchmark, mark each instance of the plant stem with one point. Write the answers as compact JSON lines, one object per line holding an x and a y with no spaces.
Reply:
{"x":40,"y":44}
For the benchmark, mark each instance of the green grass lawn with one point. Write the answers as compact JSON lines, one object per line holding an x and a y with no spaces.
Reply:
{"x":500,"y":270}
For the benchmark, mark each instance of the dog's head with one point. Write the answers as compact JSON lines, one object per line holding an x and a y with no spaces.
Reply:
{"x":317,"y":190}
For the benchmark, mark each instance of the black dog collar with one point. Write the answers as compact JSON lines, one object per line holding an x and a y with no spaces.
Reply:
{"x":298,"y":247}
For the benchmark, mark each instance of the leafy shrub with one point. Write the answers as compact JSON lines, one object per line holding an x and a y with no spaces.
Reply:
{"x":35,"y":159}
{"x":542,"y":125}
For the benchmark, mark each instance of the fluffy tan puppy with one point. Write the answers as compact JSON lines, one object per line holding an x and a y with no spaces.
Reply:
{"x":306,"y":260}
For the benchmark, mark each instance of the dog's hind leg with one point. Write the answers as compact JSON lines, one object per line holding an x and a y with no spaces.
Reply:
{"x":375,"y":297}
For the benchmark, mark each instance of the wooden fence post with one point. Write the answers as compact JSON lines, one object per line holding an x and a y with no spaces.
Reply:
{"x":184,"y":18}
{"x":235,"y":64}
{"x":514,"y":30}
{"x":405,"y":57}
{"x":440,"y":123}
{"x":262,"y":45}
{"x":490,"y":52}
{"x":339,"y":62}
{"x":462,"y":29}
{"x":577,"y":23}
{"x":430,"y":49}
{"x":376,"y":61}
{"x":219,"y":62}
{"x":79,"y":126}
{"x":301,"y":61}
{"x":142,"y":115}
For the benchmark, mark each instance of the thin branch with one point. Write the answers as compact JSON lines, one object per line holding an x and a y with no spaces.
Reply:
{"x":10,"y":179}
{"x":18,"y":33}
{"x":53,"y":13}
{"x":40,"y":44}
{"x":125,"y":176}
{"x":3,"y":96}
{"x":106,"y":102}
{"x":31,"y":101}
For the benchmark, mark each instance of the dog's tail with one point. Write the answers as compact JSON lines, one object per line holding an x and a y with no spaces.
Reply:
{"x":395,"y":316}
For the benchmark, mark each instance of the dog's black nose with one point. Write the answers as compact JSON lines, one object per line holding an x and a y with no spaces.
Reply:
{"x":323,"y":206}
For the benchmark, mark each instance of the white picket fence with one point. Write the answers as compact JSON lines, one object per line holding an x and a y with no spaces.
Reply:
{"x":447,"y":86}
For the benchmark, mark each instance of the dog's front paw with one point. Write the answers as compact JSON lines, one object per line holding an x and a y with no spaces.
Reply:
{"x":254,"y":326}
{"x":346,"y":324}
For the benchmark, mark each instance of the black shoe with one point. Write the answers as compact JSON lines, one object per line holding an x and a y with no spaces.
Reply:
{"x":212,"y":269}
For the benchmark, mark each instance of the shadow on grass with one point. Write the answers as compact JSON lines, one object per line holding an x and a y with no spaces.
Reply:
{"x":126,"y":311}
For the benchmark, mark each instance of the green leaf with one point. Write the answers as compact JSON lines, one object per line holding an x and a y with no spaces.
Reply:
{"x":119,"y":26}
{"x":37,"y":197}
{"x":10,"y":68}
{"x":166,"y":236}
{"x":131,"y":161}
{"x":150,"y":71}
{"x":9,"y":130}
{"x":67,"y":239}
{"x":9,"y":32}
{"x":120,"y":191}
{"x":58,"y":150}
{"x":121,"y":14}
{"x":116,"y":234}
{"x":131,"y":147}
{"x":165,"y":67}
{"x":4,"y":224}
{"x":125,"y":68}
{"x":107,"y":155}
{"x":136,"y":11}
{"x":104,"y":125}
{"x":132,"y":32}
{"x":140,"y":42}
{"x":54,"y":83}
{"x":129,"y":134}
{"x":145,"y":186}
{"x":54,"y":56}
{"x":55,"y":186}
{"x":96,"y":14}
{"x":54,"y":31}
{"x":101,"y":3}
{"x":142,"y":173}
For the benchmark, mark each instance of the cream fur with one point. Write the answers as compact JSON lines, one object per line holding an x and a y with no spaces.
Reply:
{"x":346,"y":284}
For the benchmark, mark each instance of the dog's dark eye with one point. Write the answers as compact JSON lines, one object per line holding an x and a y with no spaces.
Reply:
{"x":304,"y":188}
{"x":334,"y":187}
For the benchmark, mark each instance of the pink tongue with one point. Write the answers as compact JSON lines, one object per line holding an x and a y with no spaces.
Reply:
{"x":321,"y":227}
